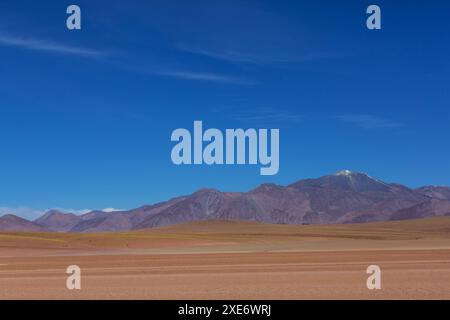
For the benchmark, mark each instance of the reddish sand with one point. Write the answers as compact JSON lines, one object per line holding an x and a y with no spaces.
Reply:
{"x":233,"y":260}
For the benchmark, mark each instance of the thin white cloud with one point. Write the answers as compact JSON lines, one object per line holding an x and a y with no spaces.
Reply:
{"x":242,"y":57}
{"x":44,"y":45}
{"x":204,"y":76}
{"x":74,"y":211}
{"x":112,"y":210}
{"x":32,"y":214}
{"x":367,"y":121}
{"x":84,"y":211}
{"x":269,"y":116}
{"x":24,"y":212}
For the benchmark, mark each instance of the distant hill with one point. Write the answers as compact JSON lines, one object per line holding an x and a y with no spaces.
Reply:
{"x":55,"y":220}
{"x":12,"y":223}
{"x":341,"y":198}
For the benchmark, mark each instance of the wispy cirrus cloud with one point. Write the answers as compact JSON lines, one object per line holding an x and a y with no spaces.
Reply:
{"x":49,"y":46}
{"x":204,"y":76}
{"x":37,"y":44}
{"x":265,"y":116}
{"x":367,"y":121}
{"x":250,"y":58}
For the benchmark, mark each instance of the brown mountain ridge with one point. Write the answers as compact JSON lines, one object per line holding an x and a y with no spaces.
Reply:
{"x":344,"y":197}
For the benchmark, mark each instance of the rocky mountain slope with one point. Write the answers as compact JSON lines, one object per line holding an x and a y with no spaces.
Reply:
{"x":344,"y":197}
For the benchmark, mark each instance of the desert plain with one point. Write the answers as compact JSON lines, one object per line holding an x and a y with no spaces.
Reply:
{"x":233,"y":260}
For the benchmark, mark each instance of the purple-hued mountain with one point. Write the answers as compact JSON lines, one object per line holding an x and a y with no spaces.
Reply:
{"x":344,"y":197}
{"x":12,"y":223}
{"x":55,"y":220}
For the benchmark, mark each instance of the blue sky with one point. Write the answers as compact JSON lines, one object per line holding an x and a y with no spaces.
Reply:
{"x":86,"y":116}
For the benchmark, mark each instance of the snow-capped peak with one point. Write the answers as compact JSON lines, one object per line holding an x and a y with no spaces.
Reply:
{"x":344,"y":173}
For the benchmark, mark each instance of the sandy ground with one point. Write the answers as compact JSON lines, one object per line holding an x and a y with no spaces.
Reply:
{"x":233,"y":260}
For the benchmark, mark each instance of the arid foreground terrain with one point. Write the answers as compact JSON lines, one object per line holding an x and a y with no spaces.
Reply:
{"x":232,"y":260}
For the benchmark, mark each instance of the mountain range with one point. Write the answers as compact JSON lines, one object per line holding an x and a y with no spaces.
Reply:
{"x":344,"y":197}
